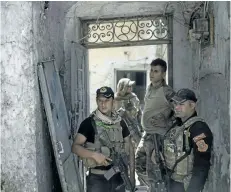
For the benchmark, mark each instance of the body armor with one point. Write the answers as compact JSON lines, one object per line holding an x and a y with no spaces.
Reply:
{"x":103,"y":131}
{"x":175,"y":149}
{"x":130,"y":103}
{"x":155,"y":118}
{"x":128,"y":108}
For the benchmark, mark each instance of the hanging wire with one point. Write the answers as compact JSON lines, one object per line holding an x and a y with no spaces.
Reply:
{"x":206,"y":6}
{"x":162,"y":56}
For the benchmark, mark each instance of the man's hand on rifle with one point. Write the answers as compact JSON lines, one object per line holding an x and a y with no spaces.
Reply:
{"x":101,"y":159}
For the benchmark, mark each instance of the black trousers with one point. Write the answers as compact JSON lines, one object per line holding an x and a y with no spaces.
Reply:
{"x":98,"y":183}
{"x":175,"y":186}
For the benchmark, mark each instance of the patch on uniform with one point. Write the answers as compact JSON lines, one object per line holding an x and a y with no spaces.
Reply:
{"x":199,"y":137}
{"x":202,"y":146}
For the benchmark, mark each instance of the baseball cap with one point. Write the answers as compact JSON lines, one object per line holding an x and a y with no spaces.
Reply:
{"x":184,"y":95}
{"x":126,"y":82}
{"x":130,"y":83}
{"x":105,"y":91}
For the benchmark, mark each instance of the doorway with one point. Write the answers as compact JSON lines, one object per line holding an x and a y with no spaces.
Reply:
{"x":108,"y":65}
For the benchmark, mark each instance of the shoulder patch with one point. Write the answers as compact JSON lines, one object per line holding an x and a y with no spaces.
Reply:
{"x":202,"y":146}
{"x":199,"y":137}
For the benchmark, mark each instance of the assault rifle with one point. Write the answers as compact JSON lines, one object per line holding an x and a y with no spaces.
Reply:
{"x":162,"y":174}
{"x":120,"y":165}
{"x":133,"y":126}
{"x":159,"y":168}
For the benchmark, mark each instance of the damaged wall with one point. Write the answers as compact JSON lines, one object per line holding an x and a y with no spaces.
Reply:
{"x":211,"y":65}
{"x":214,"y":97}
{"x":19,"y":104}
{"x":29,"y":34}
{"x":207,"y":72}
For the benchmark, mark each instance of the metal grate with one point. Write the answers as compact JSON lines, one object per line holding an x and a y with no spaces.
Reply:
{"x":124,"y":31}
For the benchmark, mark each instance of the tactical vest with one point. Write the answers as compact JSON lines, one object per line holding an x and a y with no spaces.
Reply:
{"x":106,"y":137}
{"x":129,"y":107}
{"x":173,"y":151}
{"x":130,"y":103}
{"x":155,"y":118}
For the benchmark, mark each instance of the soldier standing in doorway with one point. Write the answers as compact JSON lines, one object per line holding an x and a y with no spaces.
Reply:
{"x":128,"y":102}
{"x":187,"y":146}
{"x":157,"y":118}
{"x":102,"y":142}
{"x":127,"y":105}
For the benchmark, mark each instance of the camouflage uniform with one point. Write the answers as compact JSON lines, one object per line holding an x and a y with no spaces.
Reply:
{"x":109,"y":136}
{"x":130,"y":104}
{"x":187,"y":150}
{"x":156,"y":120}
{"x":106,"y":129}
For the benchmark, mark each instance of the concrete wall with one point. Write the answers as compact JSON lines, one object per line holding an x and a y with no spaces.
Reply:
{"x":18,"y":155}
{"x":29,"y":35}
{"x":207,"y":72}
{"x":211,"y":81}
{"x":213,"y":90}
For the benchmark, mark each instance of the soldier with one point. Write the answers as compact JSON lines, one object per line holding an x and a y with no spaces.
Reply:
{"x":128,"y":101}
{"x":187,"y":147}
{"x":101,"y":138}
{"x":156,"y":120}
{"x":128,"y":105}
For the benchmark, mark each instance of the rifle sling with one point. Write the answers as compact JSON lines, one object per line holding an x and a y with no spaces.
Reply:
{"x":178,"y":161}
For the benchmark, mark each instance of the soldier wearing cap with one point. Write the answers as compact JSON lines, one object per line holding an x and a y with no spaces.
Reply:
{"x":91,"y":143}
{"x":127,"y":105}
{"x":128,"y":101}
{"x":156,"y":120}
{"x":187,"y":146}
